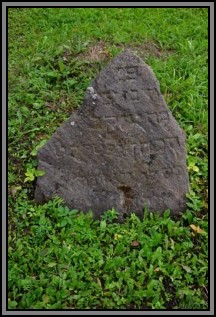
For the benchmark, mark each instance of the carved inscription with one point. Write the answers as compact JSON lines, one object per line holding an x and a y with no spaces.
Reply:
{"x":157,"y":146}
{"x":109,"y":96}
{"x":125,"y":73}
{"x":130,"y":95}
{"x":168,"y":172}
{"x":161,"y":118}
{"x":141,"y":152}
{"x":122,"y":150}
{"x":59,"y":151}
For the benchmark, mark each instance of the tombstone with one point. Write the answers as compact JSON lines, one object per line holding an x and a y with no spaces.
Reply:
{"x":122,"y":149}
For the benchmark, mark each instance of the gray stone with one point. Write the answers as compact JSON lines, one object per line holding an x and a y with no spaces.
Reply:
{"x":122,"y":149}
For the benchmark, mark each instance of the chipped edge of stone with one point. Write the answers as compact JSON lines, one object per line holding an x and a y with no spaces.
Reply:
{"x":92,"y":92}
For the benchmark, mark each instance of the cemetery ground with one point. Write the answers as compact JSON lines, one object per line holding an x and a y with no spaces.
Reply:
{"x":63,"y":259}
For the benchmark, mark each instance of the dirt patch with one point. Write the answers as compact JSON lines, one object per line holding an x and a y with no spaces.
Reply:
{"x":95,"y":53}
{"x":100,"y":51}
{"x":149,"y":49}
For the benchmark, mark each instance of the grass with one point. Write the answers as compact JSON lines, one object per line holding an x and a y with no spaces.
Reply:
{"x":60,"y":258}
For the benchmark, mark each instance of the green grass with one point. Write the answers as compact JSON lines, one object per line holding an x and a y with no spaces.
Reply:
{"x":59,"y":258}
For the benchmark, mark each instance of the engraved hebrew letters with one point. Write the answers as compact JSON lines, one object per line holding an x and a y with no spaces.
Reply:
{"x":122,"y":149}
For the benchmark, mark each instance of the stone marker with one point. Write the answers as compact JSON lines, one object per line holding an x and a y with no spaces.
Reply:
{"x":122,"y":148}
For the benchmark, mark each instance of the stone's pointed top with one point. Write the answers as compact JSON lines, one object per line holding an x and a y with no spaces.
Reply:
{"x":125,"y":67}
{"x":129,"y":56}
{"x":125,"y":57}
{"x":122,"y":149}
{"x":128,"y":53}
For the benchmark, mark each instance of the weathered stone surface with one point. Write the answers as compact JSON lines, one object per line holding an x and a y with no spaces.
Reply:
{"x":122,"y":149}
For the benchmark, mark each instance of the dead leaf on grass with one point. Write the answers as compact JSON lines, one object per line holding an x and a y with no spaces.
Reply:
{"x":197,"y":229}
{"x":135,"y":243}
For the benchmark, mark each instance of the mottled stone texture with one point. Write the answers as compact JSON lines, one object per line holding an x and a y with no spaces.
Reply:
{"x":122,"y":149}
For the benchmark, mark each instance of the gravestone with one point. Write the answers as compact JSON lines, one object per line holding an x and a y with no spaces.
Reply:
{"x":122,"y":149}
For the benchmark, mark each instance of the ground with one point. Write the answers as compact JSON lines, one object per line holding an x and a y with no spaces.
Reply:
{"x":58,"y":258}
